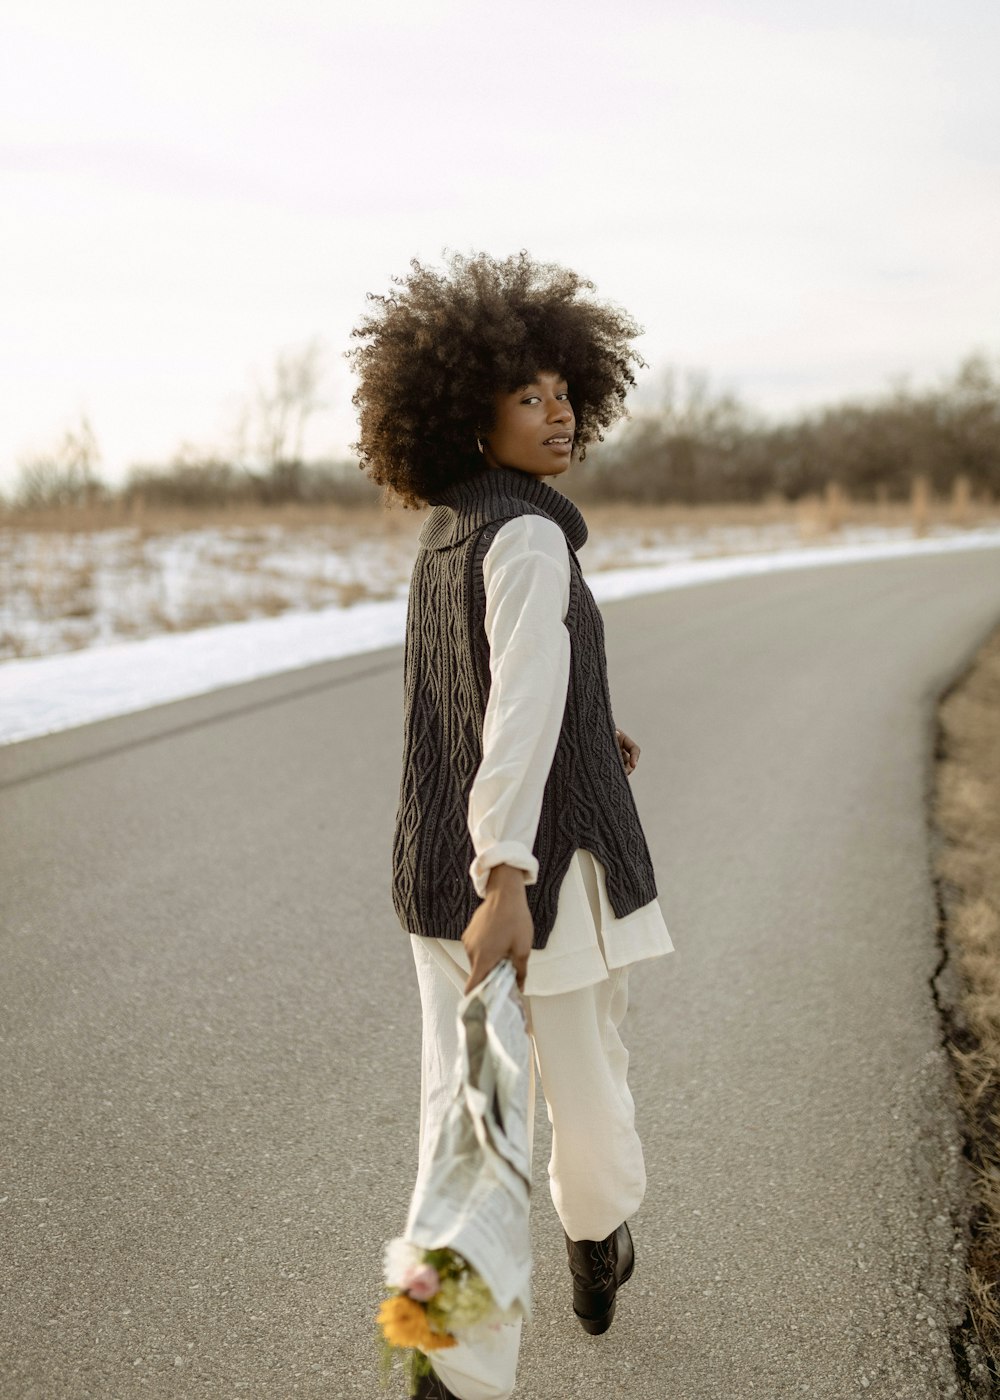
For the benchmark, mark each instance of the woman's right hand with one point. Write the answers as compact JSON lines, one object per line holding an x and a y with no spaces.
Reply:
{"x":500,"y":928}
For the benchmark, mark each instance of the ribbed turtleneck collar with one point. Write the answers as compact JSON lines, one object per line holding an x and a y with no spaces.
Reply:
{"x":481,"y":497}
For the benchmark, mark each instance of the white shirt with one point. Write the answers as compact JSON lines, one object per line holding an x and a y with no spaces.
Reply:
{"x":526,"y":571}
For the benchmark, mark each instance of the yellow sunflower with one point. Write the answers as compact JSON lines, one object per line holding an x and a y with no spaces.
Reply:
{"x":404,"y":1323}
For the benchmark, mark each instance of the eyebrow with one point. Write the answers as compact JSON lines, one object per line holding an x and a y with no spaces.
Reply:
{"x":537,"y":383}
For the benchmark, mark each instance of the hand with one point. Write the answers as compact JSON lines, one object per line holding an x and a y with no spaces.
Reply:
{"x":500,"y":928}
{"x":630,"y":751}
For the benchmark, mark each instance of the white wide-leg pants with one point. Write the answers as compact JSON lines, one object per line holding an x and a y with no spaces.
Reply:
{"x":596,"y":1172}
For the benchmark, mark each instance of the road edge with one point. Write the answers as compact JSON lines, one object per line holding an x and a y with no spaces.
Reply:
{"x":975,"y":1350}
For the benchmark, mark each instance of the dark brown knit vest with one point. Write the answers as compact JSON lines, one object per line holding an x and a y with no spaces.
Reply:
{"x":587,"y":798}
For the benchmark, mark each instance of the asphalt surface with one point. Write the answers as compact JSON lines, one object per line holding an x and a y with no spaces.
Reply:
{"x":210,"y":1026}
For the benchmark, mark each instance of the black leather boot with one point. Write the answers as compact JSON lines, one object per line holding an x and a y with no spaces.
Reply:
{"x":599,"y":1268}
{"x":431,"y":1387}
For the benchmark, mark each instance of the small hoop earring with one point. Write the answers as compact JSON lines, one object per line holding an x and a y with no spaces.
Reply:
{"x":479,"y":444}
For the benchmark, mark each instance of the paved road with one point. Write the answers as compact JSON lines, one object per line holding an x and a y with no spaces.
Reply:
{"x":210,"y":1025}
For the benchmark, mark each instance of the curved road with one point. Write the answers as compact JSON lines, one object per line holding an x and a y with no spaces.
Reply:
{"x":210,"y":1025}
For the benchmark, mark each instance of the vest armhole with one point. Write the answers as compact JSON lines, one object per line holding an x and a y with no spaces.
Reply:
{"x":484,"y":539}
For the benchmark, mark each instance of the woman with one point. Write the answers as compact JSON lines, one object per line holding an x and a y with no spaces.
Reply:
{"x":516,"y":833}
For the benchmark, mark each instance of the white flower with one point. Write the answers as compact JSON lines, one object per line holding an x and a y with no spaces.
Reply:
{"x":400,"y":1257}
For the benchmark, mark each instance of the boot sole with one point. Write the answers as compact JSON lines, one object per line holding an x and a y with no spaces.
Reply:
{"x":596,"y":1325}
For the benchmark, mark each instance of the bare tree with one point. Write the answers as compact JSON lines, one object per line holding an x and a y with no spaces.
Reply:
{"x":273,"y":419}
{"x":64,"y":476}
{"x":685,"y":441}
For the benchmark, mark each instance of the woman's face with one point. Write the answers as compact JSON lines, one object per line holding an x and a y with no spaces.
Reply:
{"x":534,"y":427}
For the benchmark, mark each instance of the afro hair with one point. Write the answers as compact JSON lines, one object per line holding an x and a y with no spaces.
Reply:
{"x":434,"y":354}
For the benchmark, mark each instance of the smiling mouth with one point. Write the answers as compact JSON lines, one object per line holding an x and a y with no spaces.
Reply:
{"x":559,"y":440}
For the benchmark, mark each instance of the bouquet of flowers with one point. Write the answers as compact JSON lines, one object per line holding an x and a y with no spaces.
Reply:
{"x":462,"y":1267}
{"x":436,"y":1300}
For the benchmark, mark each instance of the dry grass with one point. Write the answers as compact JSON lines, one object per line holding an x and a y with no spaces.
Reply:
{"x":159,"y":520}
{"x":75,"y":576}
{"x":61,"y":590}
{"x":816,"y":516}
{"x":967,"y":866}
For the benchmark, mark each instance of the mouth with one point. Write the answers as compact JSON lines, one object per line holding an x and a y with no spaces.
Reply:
{"x":559,"y":442}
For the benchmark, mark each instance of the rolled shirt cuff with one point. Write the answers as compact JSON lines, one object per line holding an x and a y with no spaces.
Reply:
{"x":502,"y":853}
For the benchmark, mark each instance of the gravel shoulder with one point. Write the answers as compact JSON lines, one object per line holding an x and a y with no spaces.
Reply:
{"x":966,"y":812}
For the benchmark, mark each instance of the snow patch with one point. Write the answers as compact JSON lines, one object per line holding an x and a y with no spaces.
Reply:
{"x":42,"y":695}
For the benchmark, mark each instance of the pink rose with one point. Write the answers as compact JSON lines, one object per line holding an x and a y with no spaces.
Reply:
{"x":421,"y":1282}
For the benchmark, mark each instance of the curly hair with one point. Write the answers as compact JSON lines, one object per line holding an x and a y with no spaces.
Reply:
{"x":434,"y":354}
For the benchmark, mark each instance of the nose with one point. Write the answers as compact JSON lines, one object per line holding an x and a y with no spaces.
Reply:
{"x":560,"y":411}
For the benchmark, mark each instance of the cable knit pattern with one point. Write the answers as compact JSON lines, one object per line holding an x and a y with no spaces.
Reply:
{"x":587,"y":800}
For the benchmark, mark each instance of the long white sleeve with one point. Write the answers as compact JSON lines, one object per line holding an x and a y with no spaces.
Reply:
{"x":527,"y":574}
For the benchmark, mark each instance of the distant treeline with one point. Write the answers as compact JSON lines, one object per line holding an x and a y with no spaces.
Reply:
{"x":693,"y":445}
{"x":696,"y":446}
{"x":214,"y":482}
{"x":67,"y":478}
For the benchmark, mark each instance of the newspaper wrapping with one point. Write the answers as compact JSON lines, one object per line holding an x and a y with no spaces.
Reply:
{"x":473,"y":1194}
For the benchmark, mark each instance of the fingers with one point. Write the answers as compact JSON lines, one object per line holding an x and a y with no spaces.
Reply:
{"x":481,"y":973}
{"x":496,"y":932}
{"x":480,"y":970}
{"x":477,"y":974}
{"x":629,"y":751}
{"x":520,"y":970}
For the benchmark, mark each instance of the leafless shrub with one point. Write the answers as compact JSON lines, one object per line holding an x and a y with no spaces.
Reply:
{"x":193,"y":480}
{"x":65,"y":476}
{"x":691,"y":443}
{"x":686,"y":444}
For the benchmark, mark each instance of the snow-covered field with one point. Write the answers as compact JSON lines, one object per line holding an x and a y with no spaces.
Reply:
{"x":60,"y":591}
{"x":101,"y":624}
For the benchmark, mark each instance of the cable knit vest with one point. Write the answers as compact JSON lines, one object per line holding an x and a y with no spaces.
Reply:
{"x":587,"y":799}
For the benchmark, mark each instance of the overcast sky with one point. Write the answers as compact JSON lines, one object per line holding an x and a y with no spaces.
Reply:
{"x":801,"y":199}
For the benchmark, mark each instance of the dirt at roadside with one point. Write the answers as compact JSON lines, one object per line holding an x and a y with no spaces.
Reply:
{"x":966,"y":818}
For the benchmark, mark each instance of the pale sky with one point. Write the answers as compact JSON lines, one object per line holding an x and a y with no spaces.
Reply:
{"x":800,"y":199}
